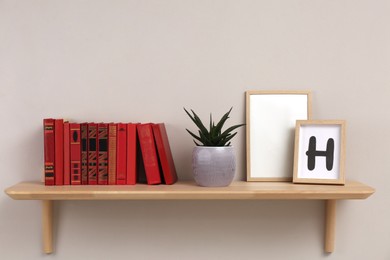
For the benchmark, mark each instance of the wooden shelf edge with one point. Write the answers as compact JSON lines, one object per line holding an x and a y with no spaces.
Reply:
{"x":239,"y":190}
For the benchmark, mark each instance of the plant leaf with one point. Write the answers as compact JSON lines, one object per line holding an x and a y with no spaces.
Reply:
{"x":222,"y":121}
{"x":232,"y":128}
{"x":211,"y":123}
{"x":225,"y":140}
{"x":194,"y":136}
{"x":205,"y":139}
{"x":190,"y":116}
{"x":199,"y":123}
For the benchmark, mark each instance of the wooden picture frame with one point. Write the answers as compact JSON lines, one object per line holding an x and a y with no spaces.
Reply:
{"x":270,"y":120}
{"x":319,"y":155}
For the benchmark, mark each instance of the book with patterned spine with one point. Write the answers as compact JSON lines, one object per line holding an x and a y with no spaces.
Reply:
{"x":84,"y":153}
{"x":75,"y":154}
{"x":66,"y":153}
{"x":92,"y":154}
{"x":48,"y":131}
{"x":121,"y":157}
{"x":103,"y":154}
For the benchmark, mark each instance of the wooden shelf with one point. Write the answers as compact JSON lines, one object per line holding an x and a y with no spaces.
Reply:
{"x":190,"y":191}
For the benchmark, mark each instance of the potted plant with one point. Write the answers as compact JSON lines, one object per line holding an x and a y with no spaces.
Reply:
{"x":213,"y":158}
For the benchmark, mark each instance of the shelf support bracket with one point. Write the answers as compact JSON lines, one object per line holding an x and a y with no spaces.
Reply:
{"x":47,"y":226}
{"x":330,"y":225}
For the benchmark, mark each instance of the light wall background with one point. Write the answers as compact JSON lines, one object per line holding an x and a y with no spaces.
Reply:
{"x":143,"y":61}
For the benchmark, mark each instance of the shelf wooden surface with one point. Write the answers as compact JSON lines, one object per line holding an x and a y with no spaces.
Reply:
{"x":239,"y":190}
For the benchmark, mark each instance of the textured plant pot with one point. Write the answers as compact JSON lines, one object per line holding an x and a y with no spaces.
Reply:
{"x":213,"y":166}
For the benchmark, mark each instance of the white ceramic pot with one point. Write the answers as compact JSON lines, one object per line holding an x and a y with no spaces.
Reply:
{"x":213,"y":166}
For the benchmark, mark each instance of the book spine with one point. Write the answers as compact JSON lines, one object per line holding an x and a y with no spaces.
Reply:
{"x":141,"y":175}
{"x":49,"y":150}
{"x":59,"y":151}
{"x":103,"y":154}
{"x":66,"y":153}
{"x":75,"y":154}
{"x":84,"y":153}
{"x":165,"y":154}
{"x":131,"y":168}
{"x":92,"y":154}
{"x":112,"y":135}
{"x":149,"y":155}
{"x":121,"y":154}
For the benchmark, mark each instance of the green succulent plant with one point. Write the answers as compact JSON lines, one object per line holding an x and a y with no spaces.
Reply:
{"x":214,"y":135}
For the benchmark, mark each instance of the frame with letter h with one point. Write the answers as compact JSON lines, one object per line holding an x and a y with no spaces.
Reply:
{"x":319,"y":153}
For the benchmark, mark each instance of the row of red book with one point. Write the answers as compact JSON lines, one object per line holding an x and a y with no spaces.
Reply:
{"x":106,"y":154}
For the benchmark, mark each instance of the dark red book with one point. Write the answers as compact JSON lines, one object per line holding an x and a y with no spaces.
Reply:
{"x":141,"y":176}
{"x":149,"y":154}
{"x":103,"y":154}
{"x":164,"y":153}
{"x":59,"y":151}
{"x":49,"y":150}
{"x":131,"y":168}
{"x":75,"y":154}
{"x":66,"y":153}
{"x":121,"y":157}
{"x":84,"y":153}
{"x":92,"y":154}
{"x":112,"y":134}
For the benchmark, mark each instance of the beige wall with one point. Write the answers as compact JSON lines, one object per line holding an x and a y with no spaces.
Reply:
{"x":143,"y":61}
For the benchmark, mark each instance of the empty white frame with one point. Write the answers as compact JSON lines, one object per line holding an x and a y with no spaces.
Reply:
{"x":319,"y":152}
{"x":271,"y":118}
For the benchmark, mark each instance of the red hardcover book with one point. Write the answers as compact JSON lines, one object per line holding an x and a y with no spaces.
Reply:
{"x":141,"y":175}
{"x":112,"y":129}
{"x":49,"y":150}
{"x":59,"y":151}
{"x":92,"y":154}
{"x":149,"y":154}
{"x":75,"y":154}
{"x":131,"y":168}
{"x":84,"y":153}
{"x":164,"y":153}
{"x":121,"y":154}
{"x":103,"y":154}
{"x":66,"y":153}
